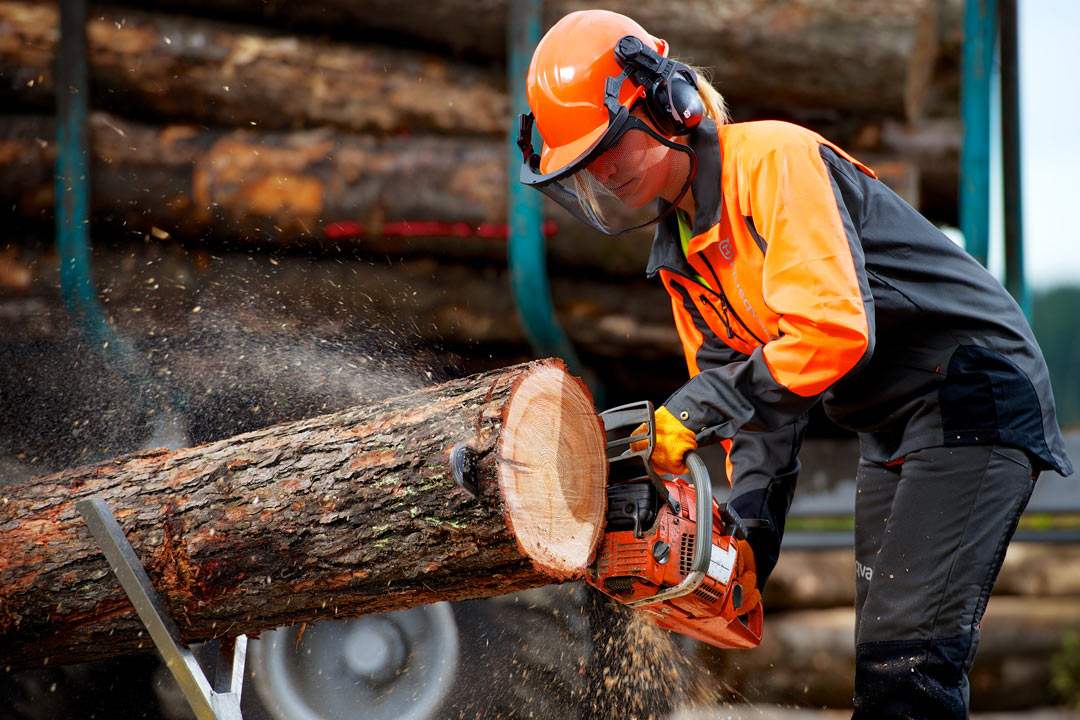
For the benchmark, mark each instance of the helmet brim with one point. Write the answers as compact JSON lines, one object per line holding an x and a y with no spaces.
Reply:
{"x":554,"y":159}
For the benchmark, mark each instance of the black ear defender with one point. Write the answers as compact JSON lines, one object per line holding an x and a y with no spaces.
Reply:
{"x":671,"y":90}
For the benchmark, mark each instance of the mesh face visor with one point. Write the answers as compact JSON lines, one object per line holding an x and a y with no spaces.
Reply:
{"x":631,"y":177}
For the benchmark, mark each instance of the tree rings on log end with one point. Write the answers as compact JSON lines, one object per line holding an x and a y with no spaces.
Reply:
{"x":552,"y":470}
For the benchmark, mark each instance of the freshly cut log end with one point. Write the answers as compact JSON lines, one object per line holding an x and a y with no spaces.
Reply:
{"x":552,"y":470}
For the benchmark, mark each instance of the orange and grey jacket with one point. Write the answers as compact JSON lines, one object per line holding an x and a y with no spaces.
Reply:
{"x":808,"y":279}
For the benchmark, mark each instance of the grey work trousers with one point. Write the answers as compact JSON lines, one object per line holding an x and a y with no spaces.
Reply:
{"x":930,"y":537}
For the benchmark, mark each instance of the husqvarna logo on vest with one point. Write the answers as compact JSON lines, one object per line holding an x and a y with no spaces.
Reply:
{"x":727,"y":250}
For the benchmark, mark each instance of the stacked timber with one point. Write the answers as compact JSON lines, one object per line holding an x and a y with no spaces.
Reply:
{"x":874,"y":56}
{"x":807,"y":654}
{"x":219,"y":126}
{"x":357,"y":134}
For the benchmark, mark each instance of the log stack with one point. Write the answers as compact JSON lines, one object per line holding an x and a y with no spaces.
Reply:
{"x":217,"y":130}
{"x":359,"y":134}
{"x":807,"y":655}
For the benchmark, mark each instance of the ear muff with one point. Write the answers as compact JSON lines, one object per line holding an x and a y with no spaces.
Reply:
{"x":671,"y":90}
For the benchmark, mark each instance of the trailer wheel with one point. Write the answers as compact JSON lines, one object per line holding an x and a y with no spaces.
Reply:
{"x":397,"y":666}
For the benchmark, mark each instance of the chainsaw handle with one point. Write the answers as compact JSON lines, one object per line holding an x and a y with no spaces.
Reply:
{"x":699,"y":476}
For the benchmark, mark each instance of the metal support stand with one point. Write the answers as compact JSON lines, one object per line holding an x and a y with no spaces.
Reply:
{"x":219,"y":702}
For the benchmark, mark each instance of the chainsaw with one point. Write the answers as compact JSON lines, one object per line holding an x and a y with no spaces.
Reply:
{"x":668,"y":548}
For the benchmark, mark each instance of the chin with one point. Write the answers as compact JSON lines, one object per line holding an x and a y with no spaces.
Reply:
{"x":636,"y":201}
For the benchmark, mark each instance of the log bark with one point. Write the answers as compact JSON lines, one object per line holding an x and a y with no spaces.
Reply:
{"x":870,"y":55}
{"x":192,"y":70}
{"x":340,"y":515}
{"x":255,"y":186}
{"x":323,"y":187}
{"x":446,"y":302}
{"x":820,"y":578}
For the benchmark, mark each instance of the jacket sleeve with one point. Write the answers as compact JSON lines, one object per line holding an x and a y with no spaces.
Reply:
{"x":814,"y":278}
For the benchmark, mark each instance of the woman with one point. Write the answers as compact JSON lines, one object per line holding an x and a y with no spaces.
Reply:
{"x":796,"y":277}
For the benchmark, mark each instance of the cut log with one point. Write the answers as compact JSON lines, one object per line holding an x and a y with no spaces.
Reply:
{"x":188,"y":70}
{"x":806,"y":579}
{"x":875,"y":55}
{"x":323,"y":188}
{"x":337,"y":516}
{"x":823,"y":578}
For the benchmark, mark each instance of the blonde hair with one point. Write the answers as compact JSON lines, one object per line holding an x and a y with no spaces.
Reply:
{"x":715,"y":105}
{"x":587,"y":187}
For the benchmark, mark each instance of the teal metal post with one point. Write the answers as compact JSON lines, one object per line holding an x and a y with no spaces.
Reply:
{"x":73,"y":190}
{"x":527,"y":256}
{"x":73,"y":171}
{"x":980,"y":18}
{"x":1012,"y":167}
{"x":72,"y":210}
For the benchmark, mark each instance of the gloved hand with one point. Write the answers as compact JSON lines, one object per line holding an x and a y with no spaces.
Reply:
{"x":673,"y":441}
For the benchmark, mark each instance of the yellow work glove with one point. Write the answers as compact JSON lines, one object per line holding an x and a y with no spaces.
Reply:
{"x":673,"y":441}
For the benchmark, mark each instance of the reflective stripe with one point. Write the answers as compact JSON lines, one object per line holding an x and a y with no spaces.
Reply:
{"x":685,"y":233}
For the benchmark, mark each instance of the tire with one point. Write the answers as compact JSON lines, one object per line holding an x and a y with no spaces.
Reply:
{"x":523,"y":655}
{"x":562,"y":651}
{"x":397,"y":666}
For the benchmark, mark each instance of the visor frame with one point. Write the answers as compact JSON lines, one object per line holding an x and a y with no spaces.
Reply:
{"x":551,"y":184}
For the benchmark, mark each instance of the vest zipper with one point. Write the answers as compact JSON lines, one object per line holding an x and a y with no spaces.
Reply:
{"x":724,"y":300}
{"x":723,"y":314}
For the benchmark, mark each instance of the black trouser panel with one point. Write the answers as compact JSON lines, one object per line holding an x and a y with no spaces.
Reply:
{"x":930,"y":537}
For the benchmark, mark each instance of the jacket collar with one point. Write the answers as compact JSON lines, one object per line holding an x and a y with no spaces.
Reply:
{"x":666,"y":249}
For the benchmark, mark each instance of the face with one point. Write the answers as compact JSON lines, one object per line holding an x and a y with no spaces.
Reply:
{"x":638,"y":169}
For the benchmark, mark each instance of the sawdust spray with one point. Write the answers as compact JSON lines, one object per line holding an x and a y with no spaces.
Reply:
{"x":641,"y":671}
{"x":195,"y":355}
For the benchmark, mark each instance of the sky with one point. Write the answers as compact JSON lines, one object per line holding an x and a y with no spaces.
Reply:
{"x":1049,"y":35}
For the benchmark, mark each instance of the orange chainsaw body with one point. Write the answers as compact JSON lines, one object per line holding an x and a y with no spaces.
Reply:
{"x":647,"y":552}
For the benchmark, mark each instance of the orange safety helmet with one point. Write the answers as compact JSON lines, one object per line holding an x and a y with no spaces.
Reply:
{"x":565,"y":85}
{"x":598,"y":161}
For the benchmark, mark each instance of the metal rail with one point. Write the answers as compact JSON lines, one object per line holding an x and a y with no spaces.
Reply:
{"x":221,"y":701}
